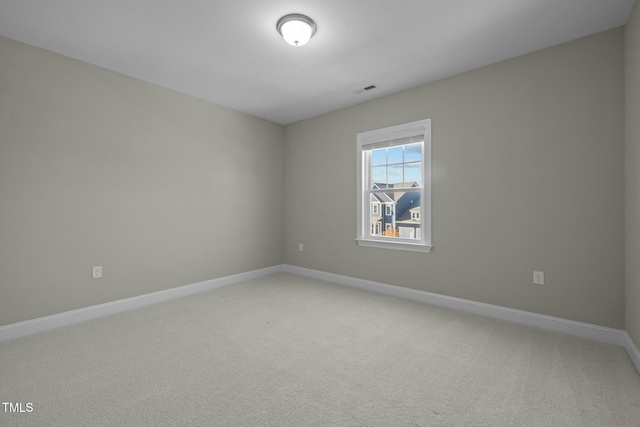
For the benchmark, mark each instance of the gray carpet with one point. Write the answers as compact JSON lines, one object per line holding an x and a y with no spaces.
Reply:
{"x":290,"y":351}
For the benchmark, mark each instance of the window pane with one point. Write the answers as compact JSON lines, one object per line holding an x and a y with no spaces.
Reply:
{"x":413,"y":152}
{"x":375,"y":205}
{"x":395,"y":174}
{"x":387,"y":222}
{"x":379,"y":174}
{"x":379,"y":157}
{"x":413,"y":173}
{"x":375,"y":220}
{"x":407,"y":206}
{"x":376,"y":226}
{"x":404,"y":221}
{"x":395,"y":154}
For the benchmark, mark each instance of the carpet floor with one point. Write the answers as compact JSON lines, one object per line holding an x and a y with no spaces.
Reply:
{"x":285,"y":350}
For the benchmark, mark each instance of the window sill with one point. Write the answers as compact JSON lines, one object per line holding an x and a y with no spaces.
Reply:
{"x":399,"y":246}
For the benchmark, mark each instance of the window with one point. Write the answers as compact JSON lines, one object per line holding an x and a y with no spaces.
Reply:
{"x":375,"y":229}
{"x":375,"y":208}
{"x":394,"y":168}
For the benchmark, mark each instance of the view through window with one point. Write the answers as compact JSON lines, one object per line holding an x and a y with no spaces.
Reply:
{"x":394,"y":170}
{"x":394,"y":200}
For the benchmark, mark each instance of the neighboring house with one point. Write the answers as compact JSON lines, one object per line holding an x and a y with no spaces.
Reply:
{"x":382,"y":209}
{"x":402,"y":214}
{"x":408,"y":218}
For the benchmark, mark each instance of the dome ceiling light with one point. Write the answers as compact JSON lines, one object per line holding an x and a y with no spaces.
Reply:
{"x":296,"y":29}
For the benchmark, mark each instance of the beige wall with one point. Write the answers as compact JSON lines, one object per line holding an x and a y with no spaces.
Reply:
{"x":96,"y":168}
{"x":527,"y":175}
{"x":100,"y":169}
{"x":632,"y":168}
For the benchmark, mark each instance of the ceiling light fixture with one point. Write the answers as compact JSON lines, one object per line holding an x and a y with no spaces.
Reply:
{"x":296,"y":29}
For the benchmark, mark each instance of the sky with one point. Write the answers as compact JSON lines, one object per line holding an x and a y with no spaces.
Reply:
{"x":397,"y":164}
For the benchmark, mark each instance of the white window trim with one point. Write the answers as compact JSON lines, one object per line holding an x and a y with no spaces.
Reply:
{"x":388,"y":209}
{"x":421,"y":127}
{"x":375,"y":211}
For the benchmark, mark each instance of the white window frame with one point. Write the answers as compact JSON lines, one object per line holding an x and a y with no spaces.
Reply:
{"x":375,"y":209}
{"x":377,"y":229}
{"x":379,"y":138}
{"x":388,"y":210}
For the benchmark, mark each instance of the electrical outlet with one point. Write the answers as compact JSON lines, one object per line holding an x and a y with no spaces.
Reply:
{"x":300,"y":247}
{"x":96,"y":272}
{"x":538,"y":277}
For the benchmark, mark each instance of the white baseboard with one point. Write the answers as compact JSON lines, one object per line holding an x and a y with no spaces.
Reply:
{"x":556,"y":324}
{"x":570,"y":327}
{"x":633,"y":351}
{"x":41,"y":324}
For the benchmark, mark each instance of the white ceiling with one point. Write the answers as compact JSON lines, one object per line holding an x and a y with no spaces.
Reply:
{"x":230,"y":53}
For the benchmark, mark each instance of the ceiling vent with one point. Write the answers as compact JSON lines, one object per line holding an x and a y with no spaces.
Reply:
{"x":365,"y":89}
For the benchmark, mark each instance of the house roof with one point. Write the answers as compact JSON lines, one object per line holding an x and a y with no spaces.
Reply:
{"x":407,"y":203}
{"x":382,"y":198}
